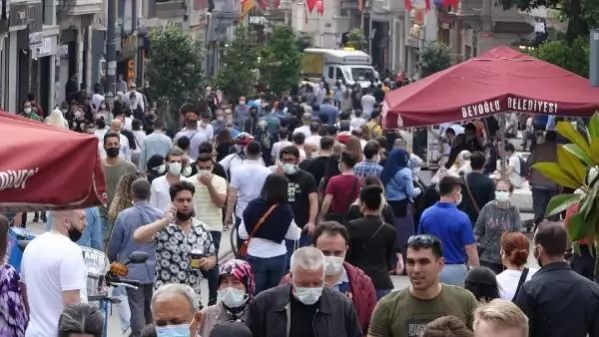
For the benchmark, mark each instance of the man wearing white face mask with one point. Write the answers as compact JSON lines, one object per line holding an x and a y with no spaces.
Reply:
{"x":302,"y":192}
{"x":160,"y":196}
{"x":332,"y":239}
{"x":306,"y":308}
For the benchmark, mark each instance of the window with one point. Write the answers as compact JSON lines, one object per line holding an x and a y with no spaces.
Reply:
{"x":339,"y":74}
{"x":331,"y":71}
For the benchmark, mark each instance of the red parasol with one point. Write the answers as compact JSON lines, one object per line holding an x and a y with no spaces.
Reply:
{"x":501,"y":80}
{"x":45,"y":168}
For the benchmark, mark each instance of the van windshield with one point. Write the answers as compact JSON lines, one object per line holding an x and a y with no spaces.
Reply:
{"x":362,"y":73}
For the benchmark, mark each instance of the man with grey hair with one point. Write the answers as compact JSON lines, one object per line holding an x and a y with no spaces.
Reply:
{"x":304,"y":308}
{"x":53,"y":272}
{"x":121,"y":245}
{"x":176,"y":309}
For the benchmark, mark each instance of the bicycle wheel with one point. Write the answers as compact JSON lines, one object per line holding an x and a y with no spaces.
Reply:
{"x":233,"y":241}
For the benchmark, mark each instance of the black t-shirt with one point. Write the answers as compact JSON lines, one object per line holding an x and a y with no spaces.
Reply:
{"x":299,"y":188}
{"x":219,"y":170}
{"x":302,"y":317}
{"x":318,"y":167}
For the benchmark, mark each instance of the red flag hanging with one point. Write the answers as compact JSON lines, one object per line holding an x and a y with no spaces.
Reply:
{"x":311,"y":4}
{"x":276,"y":4}
{"x":427,"y":5}
{"x":408,"y":4}
{"x":262,"y":3}
{"x":320,"y":7}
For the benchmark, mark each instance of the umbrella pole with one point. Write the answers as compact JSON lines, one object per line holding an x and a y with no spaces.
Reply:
{"x":500,"y":147}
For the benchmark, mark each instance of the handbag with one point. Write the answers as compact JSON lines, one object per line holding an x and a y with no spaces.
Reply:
{"x":243,"y":248}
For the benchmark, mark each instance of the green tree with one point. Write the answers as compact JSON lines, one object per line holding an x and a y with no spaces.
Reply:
{"x":577,"y":167}
{"x":280,"y":60}
{"x":581,"y":14}
{"x":356,"y":39}
{"x":434,"y":57}
{"x":237,"y":77}
{"x":174,"y":70}
{"x":304,"y":41}
{"x":573,"y":57}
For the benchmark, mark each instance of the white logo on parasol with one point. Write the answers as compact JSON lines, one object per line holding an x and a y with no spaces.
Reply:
{"x":16,"y":178}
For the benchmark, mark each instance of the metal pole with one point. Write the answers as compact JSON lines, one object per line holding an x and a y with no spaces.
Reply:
{"x":111,"y":48}
{"x":594,"y":58}
{"x":134,"y":33}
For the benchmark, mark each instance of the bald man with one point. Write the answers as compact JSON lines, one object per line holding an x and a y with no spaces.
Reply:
{"x":53,"y":272}
{"x":116,"y":126}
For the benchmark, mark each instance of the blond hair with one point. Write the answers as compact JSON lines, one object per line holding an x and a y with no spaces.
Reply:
{"x":501,"y":314}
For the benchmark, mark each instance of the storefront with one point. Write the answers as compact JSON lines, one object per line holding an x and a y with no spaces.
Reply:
{"x":44,"y":63}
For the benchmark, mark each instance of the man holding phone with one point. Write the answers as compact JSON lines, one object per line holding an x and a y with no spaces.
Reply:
{"x":178,"y":236}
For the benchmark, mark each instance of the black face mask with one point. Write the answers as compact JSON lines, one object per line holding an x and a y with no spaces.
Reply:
{"x":184,"y":216}
{"x":112,"y":152}
{"x":74,"y":234}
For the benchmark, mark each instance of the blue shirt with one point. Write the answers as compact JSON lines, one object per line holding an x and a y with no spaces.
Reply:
{"x":121,"y":243}
{"x":331,"y":112}
{"x":401,"y":186}
{"x":450,"y":225}
{"x":92,"y":235}
{"x":368,"y":168}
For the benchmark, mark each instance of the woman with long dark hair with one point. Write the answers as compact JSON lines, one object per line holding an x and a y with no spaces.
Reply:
{"x":267,"y":222}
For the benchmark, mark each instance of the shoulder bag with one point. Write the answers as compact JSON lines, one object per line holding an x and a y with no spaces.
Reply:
{"x":243,"y":249}
{"x":520,"y":283}
{"x":471,"y":196}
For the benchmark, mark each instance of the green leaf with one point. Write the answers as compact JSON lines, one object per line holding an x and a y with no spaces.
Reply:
{"x":575,"y":150}
{"x":571,"y":164}
{"x":567,"y":130}
{"x":560,"y":203}
{"x":589,"y":203}
{"x":578,"y":229}
{"x":556,"y":174}
{"x":594,"y":149}
{"x":593,"y":127}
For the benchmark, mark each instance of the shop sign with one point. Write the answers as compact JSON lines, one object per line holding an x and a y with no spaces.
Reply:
{"x":45,"y":49}
{"x":36,"y":39}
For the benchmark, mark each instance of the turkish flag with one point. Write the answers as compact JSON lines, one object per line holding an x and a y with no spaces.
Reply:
{"x":408,"y":4}
{"x":320,"y":7}
{"x":427,"y":5}
{"x":311,"y":4}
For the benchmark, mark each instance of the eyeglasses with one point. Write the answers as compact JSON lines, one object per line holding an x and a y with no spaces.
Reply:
{"x":423,"y":239}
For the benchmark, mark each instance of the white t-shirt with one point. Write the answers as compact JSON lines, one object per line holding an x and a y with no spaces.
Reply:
{"x":206,"y":211}
{"x":160,"y":196}
{"x":305,"y":129}
{"x":140,"y":136}
{"x":248,"y":179}
{"x":515,"y":178}
{"x":357,"y":122}
{"x":233,"y":161}
{"x":368,"y":101}
{"x":276,"y":148}
{"x":196,"y":137}
{"x":508,"y":282}
{"x":51,"y":264}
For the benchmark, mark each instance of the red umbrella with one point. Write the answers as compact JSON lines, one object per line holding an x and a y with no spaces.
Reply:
{"x":501,"y":80}
{"x":45,"y":168}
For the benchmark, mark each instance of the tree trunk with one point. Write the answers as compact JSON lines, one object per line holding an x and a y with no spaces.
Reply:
{"x":576,"y":23}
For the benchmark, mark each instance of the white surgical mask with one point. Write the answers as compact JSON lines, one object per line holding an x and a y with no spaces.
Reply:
{"x":459,"y":201}
{"x":242,"y":102}
{"x":204,"y":172}
{"x":307,"y":296}
{"x":180,"y":330}
{"x":333,"y":265}
{"x":102,"y":106}
{"x":232,"y":297}
{"x":186,"y":171}
{"x":160,"y":169}
{"x":290,"y":168}
{"x":27,"y":110}
{"x":502,"y":196}
{"x":174,"y":168}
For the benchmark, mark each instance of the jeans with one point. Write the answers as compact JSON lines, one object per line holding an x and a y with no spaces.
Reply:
{"x":540,"y":200}
{"x":139,"y":304}
{"x":123,"y":307}
{"x":268,"y":271}
{"x":212,"y":274}
{"x":454,"y":274}
{"x":304,"y":241}
{"x":380,"y":293}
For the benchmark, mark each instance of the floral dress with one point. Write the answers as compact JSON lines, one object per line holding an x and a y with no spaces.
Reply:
{"x":13,"y":318}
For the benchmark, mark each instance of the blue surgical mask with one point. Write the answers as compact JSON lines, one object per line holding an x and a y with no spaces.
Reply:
{"x":180,"y":330}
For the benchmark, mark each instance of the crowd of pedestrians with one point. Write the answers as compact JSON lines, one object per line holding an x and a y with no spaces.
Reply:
{"x":325,"y":207}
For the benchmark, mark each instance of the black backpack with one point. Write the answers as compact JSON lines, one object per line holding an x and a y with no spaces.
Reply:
{"x":524,"y":168}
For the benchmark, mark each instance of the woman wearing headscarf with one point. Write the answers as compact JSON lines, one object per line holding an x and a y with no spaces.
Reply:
{"x":461,"y":166}
{"x":236,"y":288}
{"x":156,"y":167}
{"x":400,"y":191}
{"x":57,"y":119}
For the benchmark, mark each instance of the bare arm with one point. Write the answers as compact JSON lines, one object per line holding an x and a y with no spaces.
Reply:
{"x":146,"y":233}
{"x":70,"y":297}
{"x":25,"y":300}
{"x":313,"y":197}
{"x":472,"y":253}
{"x":326,"y":204}
{"x":232,"y":200}
{"x":218,"y":199}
